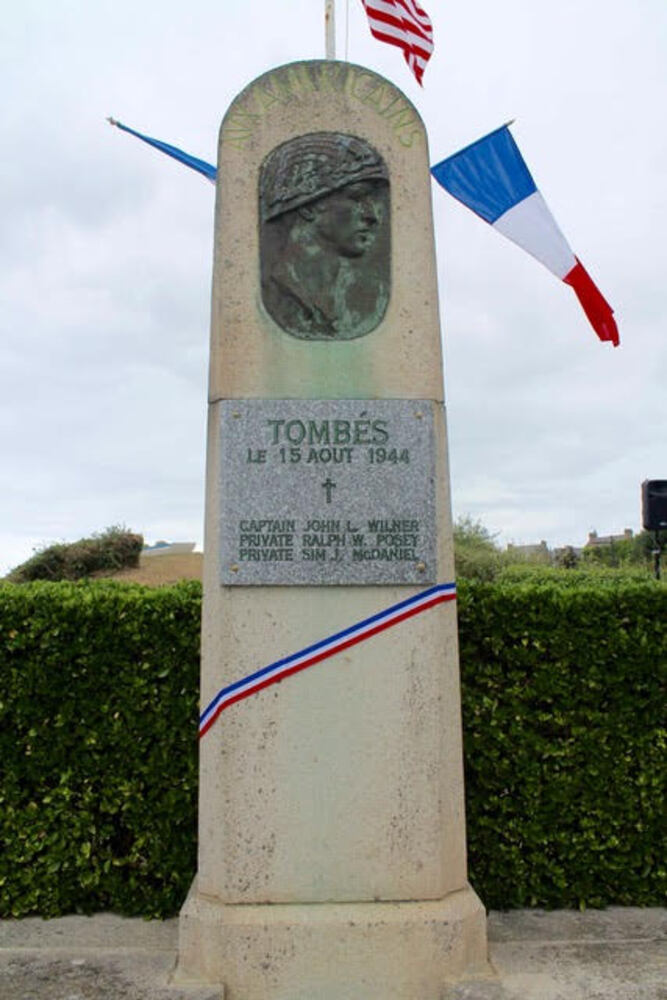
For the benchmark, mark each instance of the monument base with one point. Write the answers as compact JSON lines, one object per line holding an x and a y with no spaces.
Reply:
{"x":332,"y":951}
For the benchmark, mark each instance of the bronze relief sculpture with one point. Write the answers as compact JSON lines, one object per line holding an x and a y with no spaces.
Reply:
{"x":324,"y":236}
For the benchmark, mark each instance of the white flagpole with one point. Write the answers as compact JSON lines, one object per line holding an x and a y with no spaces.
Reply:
{"x":330,"y":29}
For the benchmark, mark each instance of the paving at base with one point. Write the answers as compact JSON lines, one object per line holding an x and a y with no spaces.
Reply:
{"x":615,"y":954}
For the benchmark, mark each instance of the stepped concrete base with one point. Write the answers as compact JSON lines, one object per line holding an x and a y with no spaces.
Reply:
{"x":333,"y":951}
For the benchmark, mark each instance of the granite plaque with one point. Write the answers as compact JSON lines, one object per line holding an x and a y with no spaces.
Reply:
{"x":327,"y":492}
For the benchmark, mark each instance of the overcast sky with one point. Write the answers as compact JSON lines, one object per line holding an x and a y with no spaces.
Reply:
{"x":106,"y":255}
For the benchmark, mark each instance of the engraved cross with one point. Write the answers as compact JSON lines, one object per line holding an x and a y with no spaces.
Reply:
{"x":328,"y":486}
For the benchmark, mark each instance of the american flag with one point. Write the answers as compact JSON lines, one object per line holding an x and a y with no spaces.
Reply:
{"x":403,"y":23}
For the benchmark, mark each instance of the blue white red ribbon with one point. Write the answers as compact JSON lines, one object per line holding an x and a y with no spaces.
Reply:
{"x":321,"y":650}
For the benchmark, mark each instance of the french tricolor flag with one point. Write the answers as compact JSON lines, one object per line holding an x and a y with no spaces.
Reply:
{"x":491,"y":178}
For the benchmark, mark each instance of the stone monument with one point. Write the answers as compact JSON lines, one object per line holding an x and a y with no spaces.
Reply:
{"x":332,"y":858}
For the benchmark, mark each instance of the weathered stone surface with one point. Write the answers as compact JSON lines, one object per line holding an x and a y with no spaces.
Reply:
{"x":614,"y":954}
{"x":251,"y":355}
{"x":343,"y":782}
{"x":341,"y":788}
{"x":374,"y":951}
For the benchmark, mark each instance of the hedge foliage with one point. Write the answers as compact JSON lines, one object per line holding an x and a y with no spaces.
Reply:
{"x":564,"y":740}
{"x":562,"y":712}
{"x":98,"y":737}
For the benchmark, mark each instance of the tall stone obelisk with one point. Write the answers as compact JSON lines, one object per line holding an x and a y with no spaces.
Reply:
{"x":332,"y":859}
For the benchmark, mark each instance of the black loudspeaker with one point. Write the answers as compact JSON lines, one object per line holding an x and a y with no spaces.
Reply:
{"x":654,"y":504}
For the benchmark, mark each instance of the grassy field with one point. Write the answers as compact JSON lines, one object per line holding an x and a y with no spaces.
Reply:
{"x":159,"y":571}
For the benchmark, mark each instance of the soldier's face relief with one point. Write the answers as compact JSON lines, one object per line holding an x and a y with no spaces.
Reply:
{"x":348,"y":220}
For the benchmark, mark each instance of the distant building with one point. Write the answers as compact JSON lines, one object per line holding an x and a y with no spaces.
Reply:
{"x":167,"y":548}
{"x":595,"y":540}
{"x":538,"y":552}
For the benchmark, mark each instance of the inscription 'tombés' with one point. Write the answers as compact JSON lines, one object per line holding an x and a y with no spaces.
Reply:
{"x":329,"y":431}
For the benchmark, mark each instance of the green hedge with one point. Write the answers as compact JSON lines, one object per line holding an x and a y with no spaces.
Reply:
{"x":98,"y":736}
{"x":563,"y":704}
{"x":564,"y":755}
